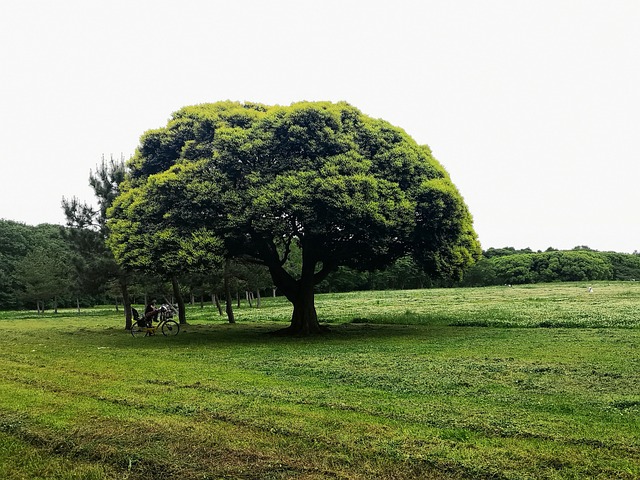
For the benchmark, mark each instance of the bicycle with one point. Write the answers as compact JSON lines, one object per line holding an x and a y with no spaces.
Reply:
{"x":167,"y":325}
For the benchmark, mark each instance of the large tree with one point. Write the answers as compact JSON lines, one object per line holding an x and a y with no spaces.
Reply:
{"x":347,"y":189}
{"x":87,"y":231}
{"x":154,"y":234}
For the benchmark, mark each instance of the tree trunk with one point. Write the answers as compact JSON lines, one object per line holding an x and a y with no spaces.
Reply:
{"x":216,"y":301}
{"x":304,"y":320}
{"x":227,"y":291}
{"x":126,"y":301}
{"x":258,"y":298}
{"x":229,"y":308}
{"x":300,"y":293}
{"x":182,"y":312}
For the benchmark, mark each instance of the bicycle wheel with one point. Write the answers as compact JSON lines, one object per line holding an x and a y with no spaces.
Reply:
{"x":137,"y":330}
{"x":170,"y":328}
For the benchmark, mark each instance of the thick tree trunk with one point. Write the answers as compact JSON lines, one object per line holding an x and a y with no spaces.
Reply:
{"x":300,"y":293}
{"x":304,"y":320}
{"x":182,"y":312}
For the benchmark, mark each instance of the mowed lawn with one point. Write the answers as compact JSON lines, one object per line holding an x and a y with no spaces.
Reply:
{"x":503,"y":383}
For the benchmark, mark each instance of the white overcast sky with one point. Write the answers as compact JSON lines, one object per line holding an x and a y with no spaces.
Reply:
{"x":532,"y":106}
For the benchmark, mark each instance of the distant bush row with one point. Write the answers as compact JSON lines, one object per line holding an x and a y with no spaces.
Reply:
{"x":42,"y":267}
{"x":510,"y":266}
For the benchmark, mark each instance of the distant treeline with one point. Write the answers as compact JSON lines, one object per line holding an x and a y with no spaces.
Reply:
{"x":511,"y":266}
{"x":498,"y":266}
{"x":46,"y":267}
{"x":50,"y":266}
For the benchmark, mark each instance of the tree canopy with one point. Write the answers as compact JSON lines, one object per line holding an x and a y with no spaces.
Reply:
{"x":250,"y":181}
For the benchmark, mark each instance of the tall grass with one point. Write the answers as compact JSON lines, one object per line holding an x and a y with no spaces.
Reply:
{"x":398,"y":389}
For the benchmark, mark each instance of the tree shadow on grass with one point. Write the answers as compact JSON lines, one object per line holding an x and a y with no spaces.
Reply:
{"x":267,"y":334}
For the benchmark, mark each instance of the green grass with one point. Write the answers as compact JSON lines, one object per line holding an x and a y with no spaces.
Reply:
{"x":522,"y":382}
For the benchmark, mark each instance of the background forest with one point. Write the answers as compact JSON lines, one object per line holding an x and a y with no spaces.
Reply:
{"x":50,"y":266}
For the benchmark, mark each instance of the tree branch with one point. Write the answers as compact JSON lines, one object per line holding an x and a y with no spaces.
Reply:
{"x":287,"y":250}
{"x":324,"y":272}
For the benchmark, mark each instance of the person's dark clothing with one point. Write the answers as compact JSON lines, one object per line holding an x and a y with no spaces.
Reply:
{"x":151,"y":313}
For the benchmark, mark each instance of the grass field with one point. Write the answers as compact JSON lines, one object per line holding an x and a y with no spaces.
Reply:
{"x":502,"y":383}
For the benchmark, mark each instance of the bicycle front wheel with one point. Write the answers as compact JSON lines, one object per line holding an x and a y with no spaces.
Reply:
{"x":170,"y":328}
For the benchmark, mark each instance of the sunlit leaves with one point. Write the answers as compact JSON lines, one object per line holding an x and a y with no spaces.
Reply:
{"x":148,"y":231}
